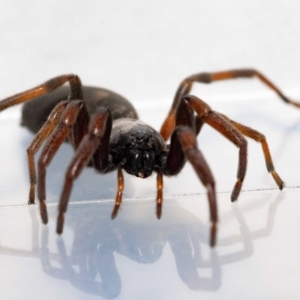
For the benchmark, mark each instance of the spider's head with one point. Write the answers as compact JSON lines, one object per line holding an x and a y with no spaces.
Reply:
{"x":137,"y":147}
{"x":140,"y":156}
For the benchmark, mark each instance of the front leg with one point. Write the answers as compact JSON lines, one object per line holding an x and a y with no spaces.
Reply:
{"x":99,"y":127}
{"x":184,"y":146}
{"x":183,"y":141}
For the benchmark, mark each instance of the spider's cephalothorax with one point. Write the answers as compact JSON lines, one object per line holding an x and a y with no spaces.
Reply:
{"x":137,"y":147}
{"x":104,"y":130}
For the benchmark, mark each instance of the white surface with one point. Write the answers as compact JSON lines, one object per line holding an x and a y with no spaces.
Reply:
{"x":142,"y":50}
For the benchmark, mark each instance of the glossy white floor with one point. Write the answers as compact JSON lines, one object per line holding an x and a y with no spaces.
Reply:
{"x":136,"y":256}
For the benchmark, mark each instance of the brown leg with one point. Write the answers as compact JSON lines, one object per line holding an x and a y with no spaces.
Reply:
{"x":159,"y":197}
{"x":35,"y":145}
{"x":58,"y":136}
{"x":176,"y":158}
{"x":258,"y":137}
{"x":186,"y":85}
{"x":45,"y":88}
{"x":241,"y":73}
{"x":189,"y":145}
{"x":169,"y":123}
{"x":119,"y":195}
{"x":76,"y":134}
{"x":118,"y":200}
{"x":184,"y":146}
{"x":229,"y":131}
{"x":99,"y":125}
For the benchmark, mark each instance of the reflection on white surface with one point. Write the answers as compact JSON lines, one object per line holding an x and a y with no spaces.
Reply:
{"x":136,"y":256}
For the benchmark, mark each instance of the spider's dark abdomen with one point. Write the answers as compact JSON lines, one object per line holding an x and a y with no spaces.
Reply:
{"x":35,"y":112}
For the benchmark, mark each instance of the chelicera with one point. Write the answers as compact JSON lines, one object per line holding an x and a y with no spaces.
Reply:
{"x":105,"y":132}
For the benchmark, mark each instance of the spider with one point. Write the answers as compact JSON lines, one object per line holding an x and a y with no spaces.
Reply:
{"x":105,"y":132}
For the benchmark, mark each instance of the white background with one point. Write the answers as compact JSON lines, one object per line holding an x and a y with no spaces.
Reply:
{"x":142,"y":50}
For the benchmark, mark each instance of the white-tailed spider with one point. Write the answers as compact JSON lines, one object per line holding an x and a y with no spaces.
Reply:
{"x":105,"y":132}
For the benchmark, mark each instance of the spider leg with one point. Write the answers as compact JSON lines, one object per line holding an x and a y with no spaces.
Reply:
{"x":119,"y":195}
{"x":184,"y":146}
{"x":79,"y":127}
{"x":176,"y":159}
{"x":258,"y":137}
{"x":57,"y":137}
{"x":45,"y":88}
{"x":219,"y":123}
{"x":99,"y":128}
{"x":159,"y":197}
{"x":186,"y":86}
{"x":186,"y":139}
{"x":35,"y":145}
{"x":198,"y":124}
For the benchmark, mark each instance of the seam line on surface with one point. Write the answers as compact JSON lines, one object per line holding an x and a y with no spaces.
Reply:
{"x":149,"y":198}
